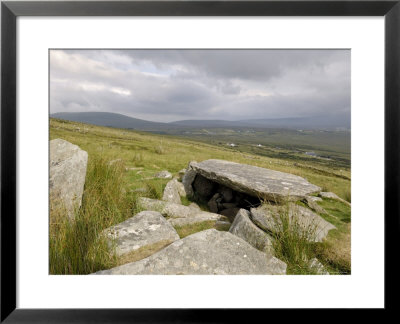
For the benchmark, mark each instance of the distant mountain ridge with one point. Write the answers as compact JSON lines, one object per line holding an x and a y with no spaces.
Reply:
{"x":123,"y":121}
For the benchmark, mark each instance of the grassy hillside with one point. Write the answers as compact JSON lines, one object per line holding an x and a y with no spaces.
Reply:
{"x":121,"y":167}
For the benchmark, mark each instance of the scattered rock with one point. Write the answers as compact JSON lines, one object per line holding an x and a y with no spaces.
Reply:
{"x":254,"y":181}
{"x":230,"y":213}
{"x":317,"y":267}
{"x":114,"y":161}
{"x":203,"y":187}
{"x":163,"y":175}
{"x":244,"y":228}
{"x":193,"y":220}
{"x":181,"y":173}
{"x":206,"y":252}
{"x":172,"y":210}
{"x":188,"y":179}
{"x":181,"y":189}
{"x":144,"y":229}
{"x":194,"y":206}
{"x":142,"y":190}
{"x":171,"y":192}
{"x":314,"y":205}
{"x":314,"y":198}
{"x":334,"y":196}
{"x":227,"y":194}
{"x":68,"y":165}
{"x":268,"y":218}
{"x":212,"y":203}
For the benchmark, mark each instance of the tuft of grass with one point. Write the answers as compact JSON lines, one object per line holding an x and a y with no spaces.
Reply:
{"x":293,"y":243}
{"x":77,"y":246}
{"x":142,"y":252}
{"x":160,"y":149}
{"x":185,"y":201}
{"x":335,"y":253}
{"x":189,"y":229}
{"x":155,"y":188}
{"x":347,"y":195}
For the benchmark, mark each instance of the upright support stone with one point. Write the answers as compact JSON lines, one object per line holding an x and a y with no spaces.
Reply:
{"x":68,"y":165}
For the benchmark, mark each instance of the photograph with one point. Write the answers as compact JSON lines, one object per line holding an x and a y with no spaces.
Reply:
{"x":199,"y":161}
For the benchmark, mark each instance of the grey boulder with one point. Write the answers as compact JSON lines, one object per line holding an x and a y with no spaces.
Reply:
{"x":172,"y":192}
{"x":68,"y":164}
{"x":205,"y":253}
{"x":317,"y":267}
{"x":334,"y":196}
{"x":144,"y":229}
{"x":269,"y":218}
{"x":255,"y":181}
{"x":163,"y":175}
{"x":244,"y":228}
{"x":172,"y":211}
{"x":188,"y":179}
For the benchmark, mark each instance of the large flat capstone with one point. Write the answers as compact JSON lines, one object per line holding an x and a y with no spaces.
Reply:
{"x":68,"y":165}
{"x":144,"y":229}
{"x":255,"y":181}
{"x":206,"y":252}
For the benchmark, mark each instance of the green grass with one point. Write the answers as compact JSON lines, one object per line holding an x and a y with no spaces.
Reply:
{"x":111,"y":191}
{"x":77,"y":246}
{"x":186,"y":230}
{"x":292,"y":242}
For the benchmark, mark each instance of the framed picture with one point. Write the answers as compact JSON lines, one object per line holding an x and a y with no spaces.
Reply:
{"x":268,"y":86}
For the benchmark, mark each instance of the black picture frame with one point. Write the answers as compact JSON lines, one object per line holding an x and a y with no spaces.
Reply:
{"x":11,"y":10}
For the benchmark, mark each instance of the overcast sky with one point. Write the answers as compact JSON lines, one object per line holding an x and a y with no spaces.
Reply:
{"x":169,"y":85}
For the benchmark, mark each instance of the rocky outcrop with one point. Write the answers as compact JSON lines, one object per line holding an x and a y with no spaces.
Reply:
{"x":68,"y":165}
{"x":163,"y":175}
{"x":334,"y":196}
{"x":171,"y":210}
{"x":188,"y":179}
{"x":317,"y":267}
{"x":144,"y":229}
{"x":207,"y":252}
{"x":270,"y":218}
{"x":172,"y":192}
{"x":312,"y":203}
{"x":251,"y":180}
{"x":244,"y":228}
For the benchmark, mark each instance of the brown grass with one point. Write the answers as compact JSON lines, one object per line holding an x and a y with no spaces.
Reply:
{"x":142,"y":252}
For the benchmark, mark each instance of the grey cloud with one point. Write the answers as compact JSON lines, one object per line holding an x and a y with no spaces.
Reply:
{"x":166,"y":85}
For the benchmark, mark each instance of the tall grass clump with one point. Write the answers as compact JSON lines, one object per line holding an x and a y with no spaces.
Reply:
{"x":77,"y":246}
{"x":293,"y":240}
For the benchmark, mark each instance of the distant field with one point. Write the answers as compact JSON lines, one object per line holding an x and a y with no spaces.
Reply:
{"x":154,"y":152}
{"x":331,"y":148}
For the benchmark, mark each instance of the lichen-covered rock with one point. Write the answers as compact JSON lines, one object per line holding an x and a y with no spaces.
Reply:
{"x":269,"y":218}
{"x":163,"y":175}
{"x":171,"y":192}
{"x":317,"y":267}
{"x":312,"y":203}
{"x":244,"y":228}
{"x":68,"y":165}
{"x":255,"y":181}
{"x":188,"y":179}
{"x":144,"y":229}
{"x":172,"y":210}
{"x":207,"y":252}
{"x":334,"y":196}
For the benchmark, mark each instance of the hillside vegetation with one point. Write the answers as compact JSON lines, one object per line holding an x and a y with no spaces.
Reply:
{"x":121,"y":167}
